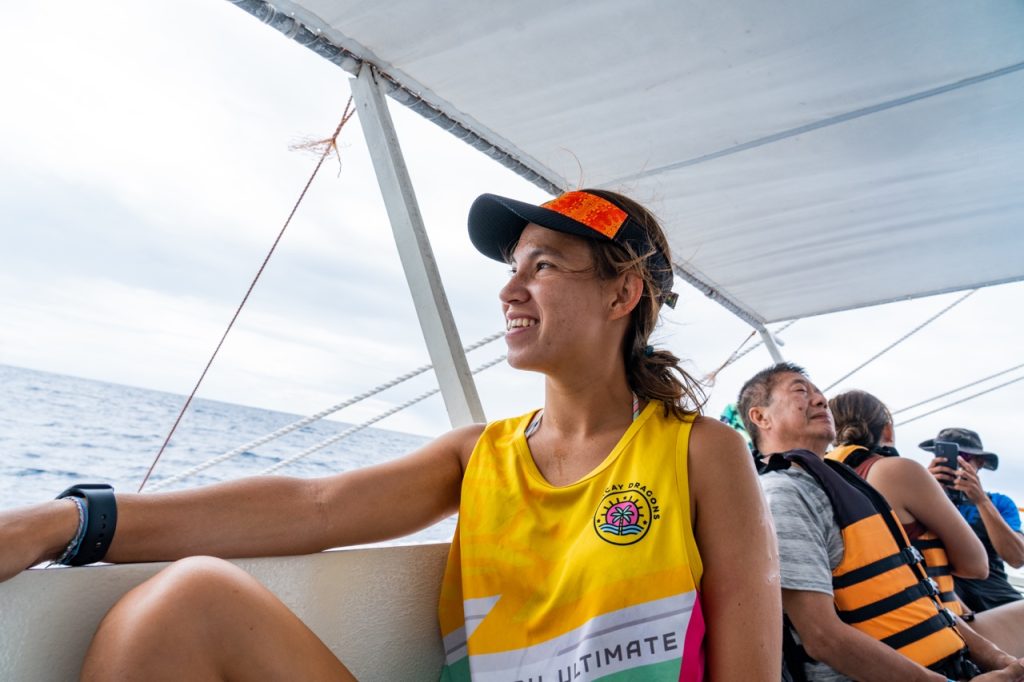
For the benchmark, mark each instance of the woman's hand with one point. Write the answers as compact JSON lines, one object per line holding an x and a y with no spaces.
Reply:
{"x":29,"y":535}
{"x":1011,"y":673}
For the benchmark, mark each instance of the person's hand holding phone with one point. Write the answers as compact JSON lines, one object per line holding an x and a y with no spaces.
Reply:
{"x":968,"y":483}
{"x":946,"y":469}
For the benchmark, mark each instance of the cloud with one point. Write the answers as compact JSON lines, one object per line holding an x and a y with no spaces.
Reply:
{"x":145,"y":169}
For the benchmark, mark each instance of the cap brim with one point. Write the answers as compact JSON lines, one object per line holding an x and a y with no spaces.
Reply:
{"x":989,"y":460}
{"x":496,"y":223}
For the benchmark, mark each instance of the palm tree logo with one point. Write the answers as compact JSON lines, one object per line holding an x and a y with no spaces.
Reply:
{"x":622,"y":518}
{"x":622,"y":515}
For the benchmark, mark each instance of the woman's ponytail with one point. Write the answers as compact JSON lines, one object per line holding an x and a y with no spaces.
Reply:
{"x":652,"y":374}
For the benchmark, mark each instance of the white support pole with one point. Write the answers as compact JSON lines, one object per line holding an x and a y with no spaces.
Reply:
{"x":435,"y":315}
{"x":769,"y":343}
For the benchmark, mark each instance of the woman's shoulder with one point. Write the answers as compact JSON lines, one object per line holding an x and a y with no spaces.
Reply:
{"x":466,"y":438}
{"x":716,"y":449}
{"x":904,"y":469}
{"x":711,"y":435}
{"x":460,"y":441}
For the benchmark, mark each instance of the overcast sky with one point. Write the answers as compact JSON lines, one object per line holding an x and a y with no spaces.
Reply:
{"x":146,"y":161}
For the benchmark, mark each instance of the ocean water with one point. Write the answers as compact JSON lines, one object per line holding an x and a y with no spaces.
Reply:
{"x":57,"y":430}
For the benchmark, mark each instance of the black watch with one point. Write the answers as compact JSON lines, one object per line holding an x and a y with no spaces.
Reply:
{"x":102,"y":514}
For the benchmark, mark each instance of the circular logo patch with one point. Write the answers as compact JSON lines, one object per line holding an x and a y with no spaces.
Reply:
{"x":623,"y":518}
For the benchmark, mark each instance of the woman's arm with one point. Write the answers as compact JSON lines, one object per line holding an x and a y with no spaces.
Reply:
{"x":984,"y":652}
{"x":29,"y":535}
{"x":908,"y":486}
{"x":260,"y":516}
{"x":740,"y":590}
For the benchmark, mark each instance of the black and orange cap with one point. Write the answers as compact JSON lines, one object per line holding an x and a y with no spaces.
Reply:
{"x":495,"y":224}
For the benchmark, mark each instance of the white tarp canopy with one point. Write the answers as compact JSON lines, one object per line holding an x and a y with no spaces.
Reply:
{"x":805,"y":156}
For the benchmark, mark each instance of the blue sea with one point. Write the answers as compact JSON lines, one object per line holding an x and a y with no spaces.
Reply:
{"x":58,"y":430}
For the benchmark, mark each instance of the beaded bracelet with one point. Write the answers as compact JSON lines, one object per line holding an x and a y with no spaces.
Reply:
{"x":76,"y":540}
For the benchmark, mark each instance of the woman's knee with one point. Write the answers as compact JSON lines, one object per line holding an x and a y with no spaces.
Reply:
{"x":211,"y":619}
{"x":186,"y":582}
{"x":185,"y":593}
{"x":199,"y":577}
{"x":164,"y":618}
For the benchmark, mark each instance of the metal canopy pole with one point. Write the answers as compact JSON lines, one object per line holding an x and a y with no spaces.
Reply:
{"x":769,"y":343}
{"x":435,"y":315}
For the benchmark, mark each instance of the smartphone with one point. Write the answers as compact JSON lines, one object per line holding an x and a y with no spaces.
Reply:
{"x":950,"y":452}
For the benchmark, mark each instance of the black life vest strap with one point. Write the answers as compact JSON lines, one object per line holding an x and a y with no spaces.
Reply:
{"x":939,"y":571}
{"x":907,"y":556}
{"x":857,"y":457}
{"x":776,"y":462}
{"x":885,"y":451}
{"x":957,"y":666}
{"x":794,"y":656}
{"x":887,"y":604}
{"x":889,"y":517}
{"x":941,"y":620}
{"x":930,"y":543}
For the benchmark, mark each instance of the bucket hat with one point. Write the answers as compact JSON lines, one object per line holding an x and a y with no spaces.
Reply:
{"x":969,"y":443}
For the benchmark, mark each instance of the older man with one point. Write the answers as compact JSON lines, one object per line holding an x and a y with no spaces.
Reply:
{"x":856,"y":596}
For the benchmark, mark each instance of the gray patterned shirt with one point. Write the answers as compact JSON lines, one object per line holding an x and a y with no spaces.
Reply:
{"x":810,"y":544}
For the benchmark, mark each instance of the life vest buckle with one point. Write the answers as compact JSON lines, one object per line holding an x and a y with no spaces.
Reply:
{"x":948,"y":616}
{"x":933,"y":588}
{"x":912,"y":555}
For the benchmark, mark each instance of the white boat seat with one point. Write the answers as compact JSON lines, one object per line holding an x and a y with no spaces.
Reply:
{"x":376,"y":608}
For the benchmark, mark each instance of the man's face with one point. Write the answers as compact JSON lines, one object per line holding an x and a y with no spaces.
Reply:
{"x":797,"y":416}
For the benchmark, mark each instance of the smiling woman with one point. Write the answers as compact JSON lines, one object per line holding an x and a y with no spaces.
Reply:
{"x":601,"y":539}
{"x":618,"y":448}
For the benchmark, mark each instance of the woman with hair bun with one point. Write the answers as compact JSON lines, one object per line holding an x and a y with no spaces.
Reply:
{"x":864,"y":440}
{"x":615,"y":532}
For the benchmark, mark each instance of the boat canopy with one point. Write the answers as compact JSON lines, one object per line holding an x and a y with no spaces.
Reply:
{"x":805,"y":157}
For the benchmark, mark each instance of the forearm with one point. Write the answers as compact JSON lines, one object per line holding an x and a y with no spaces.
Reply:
{"x":1008,"y":543}
{"x":262,"y":516}
{"x":30,"y":535}
{"x":861,"y":657}
{"x":983,"y":652}
{"x":267,"y":515}
{"x":845,"y":648}
{"x":275,"y":516}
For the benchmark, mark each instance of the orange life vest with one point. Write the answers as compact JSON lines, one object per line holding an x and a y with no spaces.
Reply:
{"x":880,"y":587}
{"x":928,"y":543}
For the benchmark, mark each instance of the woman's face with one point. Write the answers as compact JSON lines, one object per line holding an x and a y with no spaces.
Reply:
{"x":558,"y":313}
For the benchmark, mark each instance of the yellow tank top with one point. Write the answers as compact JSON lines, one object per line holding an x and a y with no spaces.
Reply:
{"x":595,"y":580}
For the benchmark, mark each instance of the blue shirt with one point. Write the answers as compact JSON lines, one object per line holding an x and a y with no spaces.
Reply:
{"x":995,"y":590}
{"x":1006,"y":507}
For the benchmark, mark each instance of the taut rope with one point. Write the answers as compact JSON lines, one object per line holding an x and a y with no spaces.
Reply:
{"x":373,"y":420}
{"x":961,"y":400}
{"x":329,"y":144}
{"x":898,"y":341}
{"x":741,"y":351}
{"x":285,"y":430}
